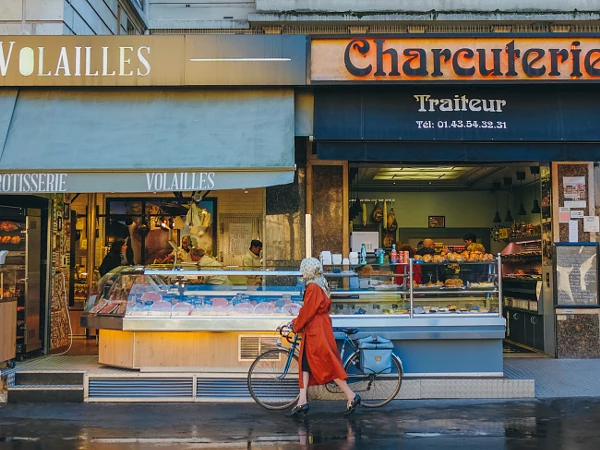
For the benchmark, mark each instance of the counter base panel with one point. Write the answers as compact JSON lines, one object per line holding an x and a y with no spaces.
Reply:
{"x":203,"y":351}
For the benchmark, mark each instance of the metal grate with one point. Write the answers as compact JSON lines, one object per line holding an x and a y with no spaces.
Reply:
{"x":222,"y":388}
{"x":140,"y":387}
{"x":250,"y":347}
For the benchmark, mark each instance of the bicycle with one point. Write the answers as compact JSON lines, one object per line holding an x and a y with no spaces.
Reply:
{"x":273,"y":376}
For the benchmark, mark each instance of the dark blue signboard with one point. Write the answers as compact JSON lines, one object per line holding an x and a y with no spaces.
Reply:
{"x":553,"y":123}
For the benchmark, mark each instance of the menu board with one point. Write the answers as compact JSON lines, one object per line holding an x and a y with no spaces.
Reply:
{"x":577,"y":275}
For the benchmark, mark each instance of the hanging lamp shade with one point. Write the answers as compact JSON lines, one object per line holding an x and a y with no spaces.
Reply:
{"x":521,"y":211}
{"x":495,"y":188}
{"x":509,"y":217}
{"x":536,"y":207}
{"x":508,"y":183}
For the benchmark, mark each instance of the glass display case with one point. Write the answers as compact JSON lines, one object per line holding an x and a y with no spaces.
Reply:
{"x":186,"y":292}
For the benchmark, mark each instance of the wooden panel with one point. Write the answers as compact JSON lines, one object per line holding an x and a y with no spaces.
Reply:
{"x":75,"y":315}
{"x":8,"y":330}
{"x":116,"y":348}
{"x":188,"y":349}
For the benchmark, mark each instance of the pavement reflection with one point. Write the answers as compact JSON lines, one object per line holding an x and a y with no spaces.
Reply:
{"x":490,"y":425}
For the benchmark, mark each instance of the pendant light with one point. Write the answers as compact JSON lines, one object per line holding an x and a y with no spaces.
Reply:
{"x":535,"y":170}
{"x":509,"y":217}
{"x":521,"y":177}
{"x":495,"y":189}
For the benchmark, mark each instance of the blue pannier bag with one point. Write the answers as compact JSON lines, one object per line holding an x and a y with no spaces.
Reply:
{"x":376,"y":354}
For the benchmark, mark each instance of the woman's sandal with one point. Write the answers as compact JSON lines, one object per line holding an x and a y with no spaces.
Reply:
{"x":298,"y":411}
{"x":351,"y":406}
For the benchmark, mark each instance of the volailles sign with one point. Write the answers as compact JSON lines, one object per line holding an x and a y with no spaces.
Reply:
{"x":90,"y":61}
{"x":380,"y":59}
{"x":194,"y":60}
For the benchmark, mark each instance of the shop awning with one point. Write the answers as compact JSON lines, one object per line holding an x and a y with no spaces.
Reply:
{"x":145,"y":140}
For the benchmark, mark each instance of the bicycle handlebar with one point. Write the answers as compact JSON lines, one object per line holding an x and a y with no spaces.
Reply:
{"x":286,"y":331}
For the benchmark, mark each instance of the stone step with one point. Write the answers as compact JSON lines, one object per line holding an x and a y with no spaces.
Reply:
{"x":49,"y":378}
{"x":45,"y":394}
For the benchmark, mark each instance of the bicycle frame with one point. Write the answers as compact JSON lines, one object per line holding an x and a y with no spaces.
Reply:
{"x":294,"y":351}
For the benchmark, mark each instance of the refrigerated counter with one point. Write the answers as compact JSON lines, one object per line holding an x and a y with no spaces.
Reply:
{"x":167,"y":319}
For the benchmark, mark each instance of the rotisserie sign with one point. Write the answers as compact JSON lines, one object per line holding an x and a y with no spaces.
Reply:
{"x":427,"y":59}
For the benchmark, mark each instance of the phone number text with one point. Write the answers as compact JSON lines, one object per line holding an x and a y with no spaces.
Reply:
{"x":461,"y":124}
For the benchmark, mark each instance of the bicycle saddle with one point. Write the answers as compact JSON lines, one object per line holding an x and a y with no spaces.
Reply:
{"x":348,"y":331}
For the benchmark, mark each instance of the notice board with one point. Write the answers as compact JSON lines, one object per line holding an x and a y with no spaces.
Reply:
{"x":576,"y":274}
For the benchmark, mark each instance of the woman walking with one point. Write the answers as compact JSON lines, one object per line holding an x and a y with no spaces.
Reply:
{"x":320,"y":362}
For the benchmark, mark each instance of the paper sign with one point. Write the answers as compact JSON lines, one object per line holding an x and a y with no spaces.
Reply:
{"x":591,"y":224}
{"x":564,"y":215}
{"x":538,"y":290}
{"x":577,"y":214}
{"x":575,"y":204}
{"x":573,"y":231}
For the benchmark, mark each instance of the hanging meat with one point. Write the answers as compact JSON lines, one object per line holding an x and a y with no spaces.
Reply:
{"x":377,"y":214}
{"x":392,"y":224}
{"x":364,"y":214}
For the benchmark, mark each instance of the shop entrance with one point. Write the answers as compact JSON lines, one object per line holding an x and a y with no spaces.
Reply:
{"x":470,"y":212}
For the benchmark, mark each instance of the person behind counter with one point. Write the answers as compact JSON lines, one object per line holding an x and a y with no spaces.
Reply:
{"x":251,"y":261}
{"x":206,"y":262}
{"x":430,"y":273}
{"x":183,"y":253}
{"x":114,"y":258}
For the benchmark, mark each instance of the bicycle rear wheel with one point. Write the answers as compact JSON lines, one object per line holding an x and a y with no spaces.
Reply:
{"x":270,"y":385}
{"x":375,"y":390}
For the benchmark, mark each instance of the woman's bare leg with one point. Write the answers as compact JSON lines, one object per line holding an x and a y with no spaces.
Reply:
{"x":304,"y":391}
{"x":344,"y":387}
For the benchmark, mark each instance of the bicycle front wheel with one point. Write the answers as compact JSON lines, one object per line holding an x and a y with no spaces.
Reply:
{"x":273,"y":379}
{"x":375,"y":390}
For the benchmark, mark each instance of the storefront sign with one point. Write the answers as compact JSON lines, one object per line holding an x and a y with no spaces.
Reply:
{"x":139,"y":182}
{"x":33,"y":182}
{"x":499,"y":113}
{"x":426,"y":59}
{"x":152,"y":60}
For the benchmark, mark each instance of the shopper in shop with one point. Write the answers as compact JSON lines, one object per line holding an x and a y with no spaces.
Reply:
{"x":251,"y":261}
{"x":114,"y":258}
{"x":320,"y":361}
{"x":469,"y":238}
{"x":205,"y":261}
{"x":430,"y":272}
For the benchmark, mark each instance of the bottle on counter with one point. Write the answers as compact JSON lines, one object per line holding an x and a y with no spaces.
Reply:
{"x":363,"y":254}
{"x":394,"y":255}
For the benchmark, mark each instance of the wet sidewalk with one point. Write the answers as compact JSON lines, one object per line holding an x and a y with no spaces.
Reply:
{"x":552,"y":424}
{"x":557,"y":377}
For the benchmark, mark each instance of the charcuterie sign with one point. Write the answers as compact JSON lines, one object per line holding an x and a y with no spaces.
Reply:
{"x":407,"y":59}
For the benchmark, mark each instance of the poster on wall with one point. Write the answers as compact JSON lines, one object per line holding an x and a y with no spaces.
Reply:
{"x":574,"y":192}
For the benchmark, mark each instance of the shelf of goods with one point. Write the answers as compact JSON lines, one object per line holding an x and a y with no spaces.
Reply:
{"x":151,"y":317}
{"x":523,"y":297}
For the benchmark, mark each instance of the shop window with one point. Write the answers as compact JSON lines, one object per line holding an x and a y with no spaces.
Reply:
{"x":153,"y":227}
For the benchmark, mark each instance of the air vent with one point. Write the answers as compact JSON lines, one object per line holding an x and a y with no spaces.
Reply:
{"x":250,"y":347}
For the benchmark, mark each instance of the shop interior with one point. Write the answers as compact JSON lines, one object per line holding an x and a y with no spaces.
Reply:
{"x":507,"y":208}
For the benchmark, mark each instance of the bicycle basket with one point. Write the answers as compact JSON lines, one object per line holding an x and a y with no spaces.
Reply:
{"x":376,"y":354}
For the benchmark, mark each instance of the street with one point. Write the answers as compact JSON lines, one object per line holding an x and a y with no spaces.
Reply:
{"x":491,"y":425}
